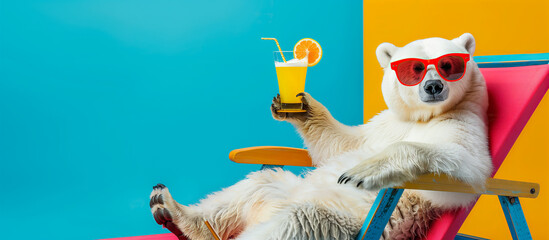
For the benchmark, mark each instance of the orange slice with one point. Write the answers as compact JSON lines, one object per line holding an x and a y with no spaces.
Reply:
{"x":311,"y":46}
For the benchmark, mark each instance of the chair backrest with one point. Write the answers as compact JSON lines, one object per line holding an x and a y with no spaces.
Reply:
{"x":514,"y":94}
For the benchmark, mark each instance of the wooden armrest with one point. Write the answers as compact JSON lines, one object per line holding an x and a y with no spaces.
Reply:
{"x":493,"y":186}
{"x":300,"y":157}
{"x":272,"y":156}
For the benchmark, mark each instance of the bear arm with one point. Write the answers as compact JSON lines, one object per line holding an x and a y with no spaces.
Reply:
{"x":327,"y":138}
{"x":453,"y":159}
{"x":404,"y":161}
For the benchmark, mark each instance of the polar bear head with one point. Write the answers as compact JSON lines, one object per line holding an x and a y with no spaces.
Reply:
{"x":434,"y":94}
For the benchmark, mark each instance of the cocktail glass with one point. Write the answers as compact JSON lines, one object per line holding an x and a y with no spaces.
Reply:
{"x":291,"y":73}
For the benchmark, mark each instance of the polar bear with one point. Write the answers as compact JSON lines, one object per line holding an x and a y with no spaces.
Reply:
{"x":434,"y":123}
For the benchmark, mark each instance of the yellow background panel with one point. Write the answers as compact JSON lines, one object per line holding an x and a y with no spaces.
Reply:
{"x":499,"y":27}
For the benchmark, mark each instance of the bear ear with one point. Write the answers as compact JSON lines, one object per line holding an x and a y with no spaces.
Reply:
{"x":467,"y":41}
{"x":384,"y":53}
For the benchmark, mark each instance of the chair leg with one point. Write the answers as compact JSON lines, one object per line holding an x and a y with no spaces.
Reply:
{"x":379,"y":214}
{"x":515,"y":217}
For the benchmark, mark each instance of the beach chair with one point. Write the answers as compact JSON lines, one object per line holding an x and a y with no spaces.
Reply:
{"x":509,"y":112}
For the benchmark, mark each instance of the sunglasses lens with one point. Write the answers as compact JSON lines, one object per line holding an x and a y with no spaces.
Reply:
{"x":410,"y":72}
{"x":451,"y":68}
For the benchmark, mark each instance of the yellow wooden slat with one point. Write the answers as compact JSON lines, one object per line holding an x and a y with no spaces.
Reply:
{"x":300,"y":157}
{"x":272,"y":156}
{"x":493,"y":186}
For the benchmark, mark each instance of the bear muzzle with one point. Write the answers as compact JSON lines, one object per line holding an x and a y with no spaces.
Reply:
{"x":433,"y":91}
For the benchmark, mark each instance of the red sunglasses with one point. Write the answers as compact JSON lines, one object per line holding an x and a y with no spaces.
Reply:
{"x":451,"y":67}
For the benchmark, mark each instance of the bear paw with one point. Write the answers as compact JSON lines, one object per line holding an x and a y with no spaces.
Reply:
{"x":374,"y":176}
{"x":286,"y":116}
{"x":314,"y":110}
{"x":163,"y":208}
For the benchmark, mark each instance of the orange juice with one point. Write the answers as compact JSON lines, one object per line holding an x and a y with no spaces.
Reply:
{"x":291,"y":81}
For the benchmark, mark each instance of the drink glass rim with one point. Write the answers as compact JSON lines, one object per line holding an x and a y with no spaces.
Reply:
{"x":290,"y":55}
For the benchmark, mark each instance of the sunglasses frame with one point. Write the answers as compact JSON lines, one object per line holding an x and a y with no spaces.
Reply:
{"x":466,"y":57}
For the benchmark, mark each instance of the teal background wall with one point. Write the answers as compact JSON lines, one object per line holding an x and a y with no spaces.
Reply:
{"x":102,"y":99}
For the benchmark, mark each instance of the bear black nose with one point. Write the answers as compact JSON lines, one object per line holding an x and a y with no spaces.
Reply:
{"x":433,"y":87}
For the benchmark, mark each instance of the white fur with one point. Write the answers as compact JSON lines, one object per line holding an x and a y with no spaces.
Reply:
{"x":409,"y":139}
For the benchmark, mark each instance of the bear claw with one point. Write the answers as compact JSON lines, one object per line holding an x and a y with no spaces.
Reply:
{"x":274,"y":108}
{"x":156,"y":199}
{"x":342,"y":179}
